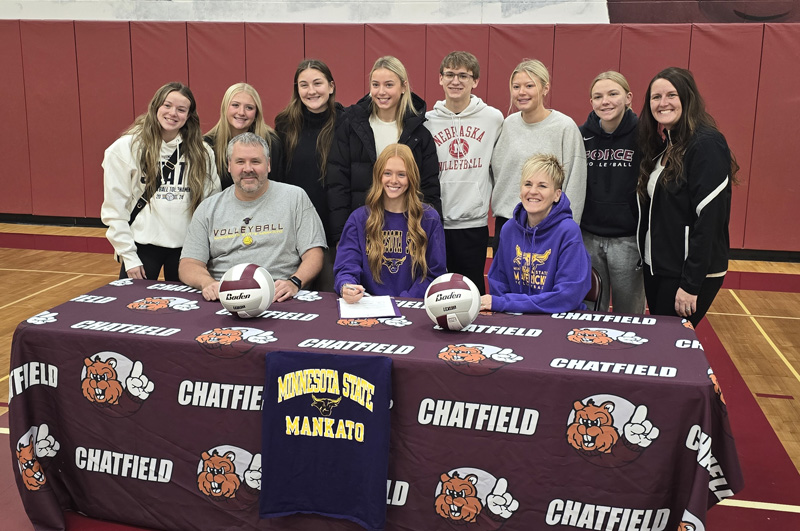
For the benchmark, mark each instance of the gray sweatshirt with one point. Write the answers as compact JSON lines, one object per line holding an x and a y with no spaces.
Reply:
{"x":557,"y":135}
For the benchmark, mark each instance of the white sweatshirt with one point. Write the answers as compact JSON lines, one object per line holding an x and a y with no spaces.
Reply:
{"x":166,"y":217}
{"x":464,"y":145}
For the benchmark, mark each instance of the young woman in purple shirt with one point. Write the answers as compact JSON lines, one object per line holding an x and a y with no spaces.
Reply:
{"x":394,"y":245}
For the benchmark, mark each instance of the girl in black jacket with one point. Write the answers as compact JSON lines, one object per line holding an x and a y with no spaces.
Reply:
{"x":389,"y":114}
{"x":684,"y":195}
{"x":306,"y":128}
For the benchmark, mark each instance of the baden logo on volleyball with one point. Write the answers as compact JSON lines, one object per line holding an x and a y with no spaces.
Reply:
{"x":246,"y":290}
{"x":452,"y":301}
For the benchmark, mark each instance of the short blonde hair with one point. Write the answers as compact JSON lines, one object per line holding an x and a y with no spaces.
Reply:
{"x":547,"y":164}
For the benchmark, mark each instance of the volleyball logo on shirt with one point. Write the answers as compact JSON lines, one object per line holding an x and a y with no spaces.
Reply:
{"x":459,"y":148}
{"x":473,"y":499}
{"x":609,"y":431}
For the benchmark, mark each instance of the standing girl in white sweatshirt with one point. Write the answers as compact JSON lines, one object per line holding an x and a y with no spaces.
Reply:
{"x":155,"y":176}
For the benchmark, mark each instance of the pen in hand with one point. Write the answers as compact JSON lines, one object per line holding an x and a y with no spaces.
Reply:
{"x":351,"y":290}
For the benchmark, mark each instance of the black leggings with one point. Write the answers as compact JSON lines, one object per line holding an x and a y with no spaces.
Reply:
{"x":466,"y":253}
{"x":660,"y":292}
{"x":153,"y":259}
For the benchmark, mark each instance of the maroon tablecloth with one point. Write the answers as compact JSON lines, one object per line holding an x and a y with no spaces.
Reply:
{"x":141,"y":403}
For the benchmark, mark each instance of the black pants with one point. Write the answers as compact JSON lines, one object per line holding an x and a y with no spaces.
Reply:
{"x":466,"y":253}
{"x":153,"y":259}
{"x":660,"y":292}
{"x":498,"y":225}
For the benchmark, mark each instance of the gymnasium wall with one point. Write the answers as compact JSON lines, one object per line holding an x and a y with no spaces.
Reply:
{"x":70,"y":87}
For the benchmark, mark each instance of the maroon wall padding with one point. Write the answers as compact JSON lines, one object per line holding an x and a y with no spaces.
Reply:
{"x":54,"y":120}
{"x":649,"y":48}
{"x":158,"y":52}
{"x":273,"y":53}
{"x":105,"y":86}
{"x":15,"y":178}
{"x":216,"y":52}
{"x":772,"y":199}
{"x":404,"y":41}
{"x":443,"y":39}
{"x":717,"y":51}
{"x":581,"y":52}
{"x":508,"y":46}
{"x":341,"y":46}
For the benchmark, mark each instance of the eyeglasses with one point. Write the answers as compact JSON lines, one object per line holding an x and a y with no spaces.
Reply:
{"x":462,"y":76}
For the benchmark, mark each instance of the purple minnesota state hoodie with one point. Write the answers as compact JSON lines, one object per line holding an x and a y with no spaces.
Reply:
{"x":541,"y":269}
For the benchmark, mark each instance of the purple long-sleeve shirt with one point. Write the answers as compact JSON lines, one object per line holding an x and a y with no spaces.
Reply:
{"x":352,"y":266}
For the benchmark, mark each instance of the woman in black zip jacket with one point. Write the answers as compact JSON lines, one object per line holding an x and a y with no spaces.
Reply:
{"x":306,"y":128}
{"x":389,"y":114}
{"x":684,"y":196}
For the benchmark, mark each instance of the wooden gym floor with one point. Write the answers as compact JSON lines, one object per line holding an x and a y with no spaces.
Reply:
{"x":756,"y":318}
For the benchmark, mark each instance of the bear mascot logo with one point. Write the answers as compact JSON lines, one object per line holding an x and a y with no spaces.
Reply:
{"x":380,"y":323}
{"x":609,"y":431}
{"x":475,"y":359}
{"x":102,"y":383}
{"x":217,"y":475}
{"x":36,"y":444}
{"x":233,"y":341}
{"x":474,"y":499}
{"x":604,"y":337}
{"x":163,"y":305}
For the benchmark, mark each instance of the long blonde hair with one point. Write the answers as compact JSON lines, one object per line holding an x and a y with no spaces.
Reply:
{"x":146,"y":133}
{"x":222,"y":132}
{"x":535,"y":70}
{"x":405,"y":105}
{"x":416,"y":240}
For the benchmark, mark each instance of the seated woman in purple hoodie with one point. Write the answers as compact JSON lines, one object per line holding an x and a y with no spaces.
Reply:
{"x":394,"y":245}
{"x":541,"y":265}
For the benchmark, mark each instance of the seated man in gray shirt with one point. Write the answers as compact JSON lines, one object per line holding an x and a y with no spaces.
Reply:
{"x":257,"y":221}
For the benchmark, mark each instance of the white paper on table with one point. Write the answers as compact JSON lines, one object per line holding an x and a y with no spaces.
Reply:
{"x":377,"y":306}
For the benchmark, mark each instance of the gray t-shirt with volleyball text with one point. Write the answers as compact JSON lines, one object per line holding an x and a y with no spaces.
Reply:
{"x":272,"y":231}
